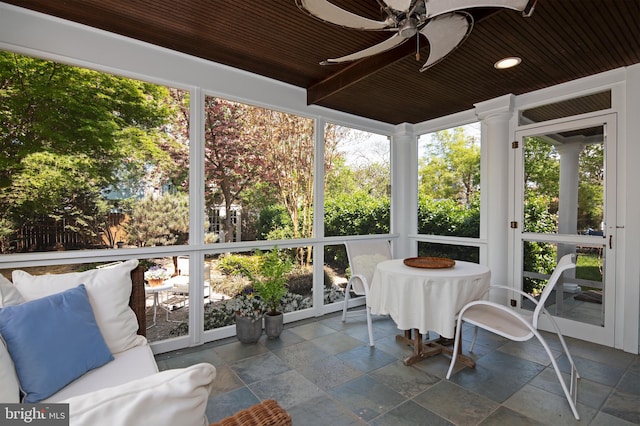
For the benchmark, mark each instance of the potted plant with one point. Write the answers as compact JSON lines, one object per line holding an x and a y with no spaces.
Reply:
{"x":249,"y":311}
{"x":269,"y":279}
{"x":156,"y":275}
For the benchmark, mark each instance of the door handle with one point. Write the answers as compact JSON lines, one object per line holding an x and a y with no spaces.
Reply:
{"x":610,"y":241}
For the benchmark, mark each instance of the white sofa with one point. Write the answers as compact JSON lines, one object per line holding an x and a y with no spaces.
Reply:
{"x":84,"y":349}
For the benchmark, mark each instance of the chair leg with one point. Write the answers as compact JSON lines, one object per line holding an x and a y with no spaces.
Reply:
{"x":456,"y":347}
{"x":369,"y":326}
{"x":346,"y":302}
{"x":571,"y":395}
{"x":475,"y":336}
{"x":565,"y":347}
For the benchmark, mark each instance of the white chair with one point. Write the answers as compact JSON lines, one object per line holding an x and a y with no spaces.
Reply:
{"x":363,"y":258}
{"x":181,"y":281}
{"x":506,"y":322}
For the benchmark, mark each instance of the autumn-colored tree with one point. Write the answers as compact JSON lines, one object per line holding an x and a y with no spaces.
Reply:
{"x":233,"y":155}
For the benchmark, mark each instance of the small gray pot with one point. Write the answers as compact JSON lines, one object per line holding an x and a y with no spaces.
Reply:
{"x":273,"y":325}
{"x":248,"y":330}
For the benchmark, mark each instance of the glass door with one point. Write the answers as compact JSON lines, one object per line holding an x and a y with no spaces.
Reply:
{"x":565,"y":203}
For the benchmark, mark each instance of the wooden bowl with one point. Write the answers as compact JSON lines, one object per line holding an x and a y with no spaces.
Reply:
{"x":430,"y":262}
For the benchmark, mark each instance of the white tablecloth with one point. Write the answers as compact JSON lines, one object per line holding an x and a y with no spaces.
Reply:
{"x":426,"y":299}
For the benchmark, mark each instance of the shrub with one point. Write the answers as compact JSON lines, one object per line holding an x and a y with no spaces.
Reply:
{"x":237,"y":264}
{"x":300,"y":280}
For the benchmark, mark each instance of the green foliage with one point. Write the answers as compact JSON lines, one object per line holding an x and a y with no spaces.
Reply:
{"x":451,"y":169}
{"x":356,"y":214}
{"x":269,"y":277}
{"x":221,"y":314}
{"x":539,"y":257}
{"x":300,"y":280}
{"x":237,"y":264}
{"x":448,"y":217}
{"x":372,"y":179}
{"x":541,"y":168}
{"x":589,"y":266}
{"x":274,"y":223}
{"x":537,"y":216}
{"x":159,"y":221}
{"x":67,"y":134}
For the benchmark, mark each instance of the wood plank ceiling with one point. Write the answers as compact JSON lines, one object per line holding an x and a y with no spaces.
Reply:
{"x":562,"y":41}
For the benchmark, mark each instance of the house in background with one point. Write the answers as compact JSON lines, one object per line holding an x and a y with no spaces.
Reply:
{"x":267,"y":54}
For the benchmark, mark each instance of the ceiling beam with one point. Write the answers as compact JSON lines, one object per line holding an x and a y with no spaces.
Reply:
{"x":357,"y":71}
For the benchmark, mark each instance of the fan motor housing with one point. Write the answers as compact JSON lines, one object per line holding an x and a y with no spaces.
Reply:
{"x":408,"y":28}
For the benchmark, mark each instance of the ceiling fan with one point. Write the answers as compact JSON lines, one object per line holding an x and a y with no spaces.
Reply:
{"x":444,"y":23}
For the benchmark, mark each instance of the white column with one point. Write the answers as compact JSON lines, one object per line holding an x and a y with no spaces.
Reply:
{"x":567,"y":206}
{"x":404,"y":189}
{"x":495,"y":154}
{"x":569,"y":175}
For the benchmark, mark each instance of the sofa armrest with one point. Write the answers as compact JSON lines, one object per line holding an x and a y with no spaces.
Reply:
{"x":171,"y":397}
{"x":266,"y":413}
{"x":138,"y":299}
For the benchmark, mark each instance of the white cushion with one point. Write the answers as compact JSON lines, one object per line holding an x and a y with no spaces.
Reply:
{"x":109,"y":290}
{"x":9,"y":294}
{"x":9,"y":386}
{"x":132,"y":364}
{"x":171,"y":397}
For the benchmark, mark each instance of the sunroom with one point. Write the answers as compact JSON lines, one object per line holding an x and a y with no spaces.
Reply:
{"x":554,"y":165}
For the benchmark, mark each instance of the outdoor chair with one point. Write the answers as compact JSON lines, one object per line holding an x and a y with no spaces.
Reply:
{"x":363,"y":258}
{"x":506,"y":322}
{"x":180,"y":290}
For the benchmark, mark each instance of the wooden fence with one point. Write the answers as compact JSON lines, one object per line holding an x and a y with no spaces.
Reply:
{"x":50,"y":235}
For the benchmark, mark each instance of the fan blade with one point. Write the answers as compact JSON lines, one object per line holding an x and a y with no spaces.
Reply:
{"x":390,"y":43}
{"x":439,"y":7}
{"x":401,"y":5}
{"x":329,"y":12}
{"x":445,"y":33}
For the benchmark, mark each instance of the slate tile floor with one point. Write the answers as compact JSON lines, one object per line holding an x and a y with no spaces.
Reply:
{"x":324,"y":373}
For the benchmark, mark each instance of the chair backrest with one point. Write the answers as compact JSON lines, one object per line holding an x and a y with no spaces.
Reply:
{"x":566,"y":262}
{"x":183,"y":265}
{"x":363,"y":258}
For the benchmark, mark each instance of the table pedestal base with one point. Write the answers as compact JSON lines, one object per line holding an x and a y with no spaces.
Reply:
{"x":423,"y":350}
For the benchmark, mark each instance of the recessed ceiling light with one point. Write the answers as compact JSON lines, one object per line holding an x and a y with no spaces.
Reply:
{"x":507,"y":63}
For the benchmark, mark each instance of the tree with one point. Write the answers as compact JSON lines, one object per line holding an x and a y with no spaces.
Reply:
{"x":591,"y":187}
{"x":452,"y":167}
{"x":232,"y":153}
{"x":541,"y":169}
{"x":542,"y":179}
{"x":286,"y":142}
{"x":159,"y":221}
{"x":67,"y":134}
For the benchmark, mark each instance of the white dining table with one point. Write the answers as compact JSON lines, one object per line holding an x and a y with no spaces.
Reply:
{"x":426,"y":299}
{"x":155,"y":291}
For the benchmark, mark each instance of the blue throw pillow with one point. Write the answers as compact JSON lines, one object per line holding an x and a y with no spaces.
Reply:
{"x":53,"y":341}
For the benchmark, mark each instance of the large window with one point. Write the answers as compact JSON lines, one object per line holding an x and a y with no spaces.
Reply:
{"x":449,"y":190}
{"x":357,"y":182}
{"x":90,"y":160}
{"x":357,"y":196}
{"x":101,"y":164}
{"x":258,"y":171}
